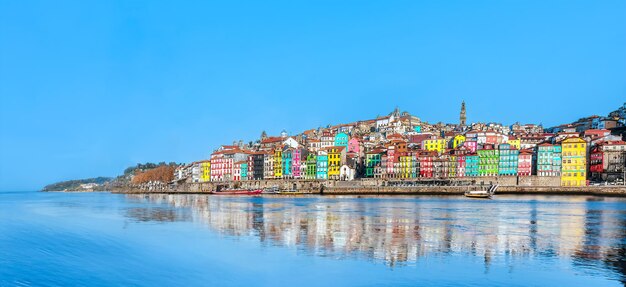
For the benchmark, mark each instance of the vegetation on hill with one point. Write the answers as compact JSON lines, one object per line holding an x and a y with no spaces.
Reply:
{"x":75,"y":184}
{"x":162,"y":174}
{"x":140,"y":173}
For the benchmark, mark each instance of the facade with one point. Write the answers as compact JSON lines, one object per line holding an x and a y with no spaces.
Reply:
{"x":488,"y":159}
{"x":458,"y":141}
{"x":434,"y":144}
{"x":607,"y":161}
{"x":311,"y":167}
{"x":574,"y":171}
{"x":472,"y":165}
{"x":322,"y":166}
{"x":354,"y":146}
{"x":287,"y":162}
{"x":258,"y":162}
{"x":471,"y":146}
{"x":426,"y":160}
{"x":525,"y":163}
{"x":297,"y":158}
{"x":548,"y":161}
{"x":244,"y":171}
{"x":516,"y":143}
{"x":205,"y":167}
{"x":278,"y":162}
{"x":336,"y":158}
{"x":508,"y":160}
{"x":372,"y":161}
{"x":268,"y":168}
{"x":341,"y":139}
{"x":407,"y":166}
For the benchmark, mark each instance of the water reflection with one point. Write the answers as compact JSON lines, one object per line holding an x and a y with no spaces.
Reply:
{"x":400,"y":230}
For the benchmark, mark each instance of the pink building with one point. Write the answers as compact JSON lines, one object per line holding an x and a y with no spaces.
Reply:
{"x":354,"y":146}
{"x":221,"y":167}
{"x":471,"y":146}
{"x":525,"y":163}
{"x":296,"y":161}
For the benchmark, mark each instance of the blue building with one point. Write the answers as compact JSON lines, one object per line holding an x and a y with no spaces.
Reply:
{"x":341,"y":139}
{"x":322,"y":166}
{"x":509,"y":157}
{"x":287,"y":162}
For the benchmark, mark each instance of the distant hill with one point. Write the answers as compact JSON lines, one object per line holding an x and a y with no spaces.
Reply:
{"x":78,"y":184}
{"x":145,"y":171}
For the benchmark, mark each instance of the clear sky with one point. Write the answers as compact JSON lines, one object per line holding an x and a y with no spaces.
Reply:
{"x":90,"y":87}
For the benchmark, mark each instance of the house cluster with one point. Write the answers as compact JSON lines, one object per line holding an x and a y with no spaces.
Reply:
{"x":401,"y":146}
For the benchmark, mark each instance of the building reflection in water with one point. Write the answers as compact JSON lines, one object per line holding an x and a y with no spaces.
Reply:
{"x":401,"y":230}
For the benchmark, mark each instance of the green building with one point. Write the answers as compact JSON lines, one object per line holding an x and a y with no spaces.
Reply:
{"x":488,"y":159}
{"x":372,"y":160}
{"x":311,"y":168}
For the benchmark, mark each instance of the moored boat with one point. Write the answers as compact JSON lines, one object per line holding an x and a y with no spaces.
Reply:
{"x":238,"y":192}
{"x":482,"y":193}
{"x":478,"y":194}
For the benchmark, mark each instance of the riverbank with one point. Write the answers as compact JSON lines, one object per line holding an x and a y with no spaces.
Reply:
{"x":619,"y":191}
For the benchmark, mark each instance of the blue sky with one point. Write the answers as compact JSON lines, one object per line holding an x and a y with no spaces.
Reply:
{"x":90,"y":87}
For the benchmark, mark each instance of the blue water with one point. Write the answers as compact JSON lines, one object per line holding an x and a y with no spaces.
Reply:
{"x":102,"y":239}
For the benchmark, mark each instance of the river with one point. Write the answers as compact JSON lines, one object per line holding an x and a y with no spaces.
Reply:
{"x":103,"y":239}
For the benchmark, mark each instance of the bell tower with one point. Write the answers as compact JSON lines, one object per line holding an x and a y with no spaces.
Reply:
{"x":463,"y":117}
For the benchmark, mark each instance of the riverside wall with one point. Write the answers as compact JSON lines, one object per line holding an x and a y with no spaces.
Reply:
{"x":508,"y":185}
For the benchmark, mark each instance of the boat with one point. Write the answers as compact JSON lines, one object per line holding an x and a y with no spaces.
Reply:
{"x":482,"y":193}
{"x":238,"y":192}
{"x":272,"y":190}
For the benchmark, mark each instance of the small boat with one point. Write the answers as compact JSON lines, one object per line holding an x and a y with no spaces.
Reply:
{"x":272,"y":190}
{"x":238,"y":192}
{"x":482,"y":193}
{"x":478,"y":194}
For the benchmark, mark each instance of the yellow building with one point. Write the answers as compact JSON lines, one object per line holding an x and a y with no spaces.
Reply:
{"x":574,"y":162}
{"x":458,"y":141}
{"x":407,"y":166}
{"x":438,"y":145}
{"x":278,"y":162}
{"x":517,"y":143}
{"x":336,"y":157}
{"x":205,"y":166}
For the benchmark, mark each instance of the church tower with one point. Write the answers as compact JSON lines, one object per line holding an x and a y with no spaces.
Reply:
{"x":463,"y":117}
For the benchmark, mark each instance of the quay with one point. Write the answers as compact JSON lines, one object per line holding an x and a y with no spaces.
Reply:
{"x":507,"y":185}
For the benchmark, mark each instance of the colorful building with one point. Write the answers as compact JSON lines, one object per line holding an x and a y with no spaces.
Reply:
{"x":458,"y":141}
{"x":434,"y":144}
{"x":548,"y":161}
{"x":341,"y":139}
{"x":311,"y":162}
{"x":278,"y":162}
{"x":372,"y":161}
{"x":244,"y":171}
{"x":205,"y":167}
{"x":574,"y":171}
{"x":287,"y":162}
{"x":471,"y":145}
{"x":408,"y":164}
{"x":354,"y":145}
{"x":297,"y":156}
{"x":452,"y":165}
{"x":322,"y":165}
{"x":426,"y":160}
{"x":525,"y":163}
{"x":336,"y":158}
{"x":472,"y":165}
{"x":508,"y":160}
{"x":488,"y":159}
{"x":516,"y":143}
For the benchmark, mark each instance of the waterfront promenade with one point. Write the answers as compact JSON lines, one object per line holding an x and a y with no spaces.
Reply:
{"x":380,"y":187}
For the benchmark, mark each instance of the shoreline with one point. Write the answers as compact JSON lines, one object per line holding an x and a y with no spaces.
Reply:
{"x":608,"y":191}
